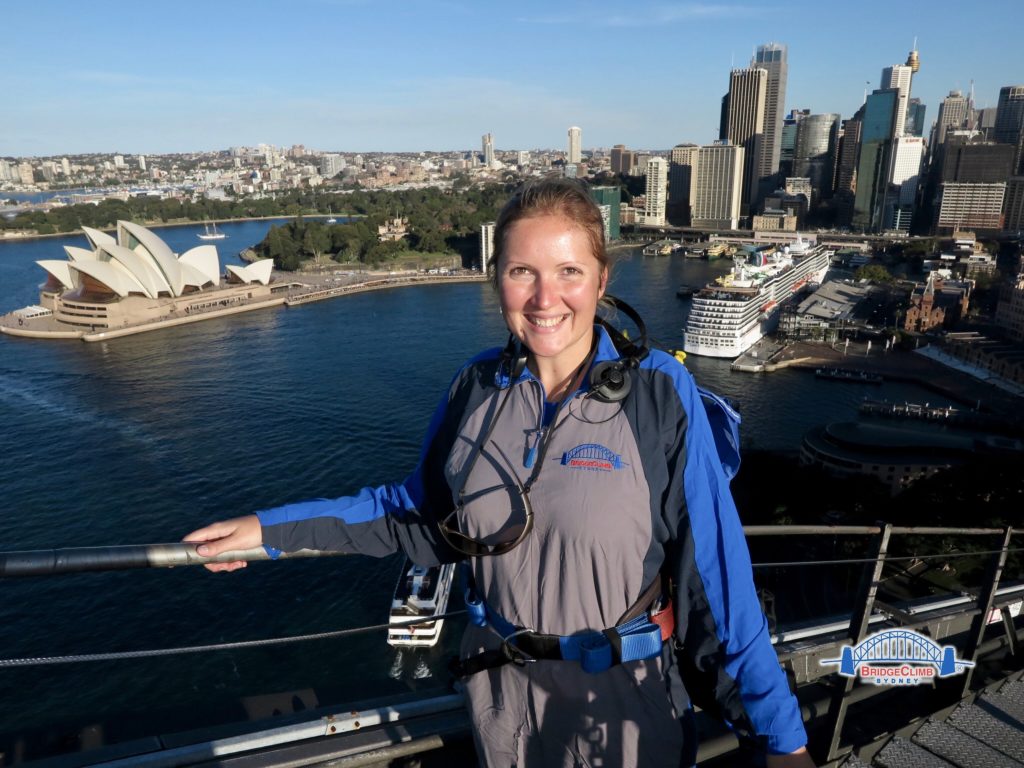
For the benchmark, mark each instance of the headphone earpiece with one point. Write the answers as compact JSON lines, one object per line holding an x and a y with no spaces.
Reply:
{"x":514,"y":358}
{"x":610,"y":381}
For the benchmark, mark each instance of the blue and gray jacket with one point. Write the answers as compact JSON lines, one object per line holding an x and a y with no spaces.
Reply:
{"x":628,"y":490}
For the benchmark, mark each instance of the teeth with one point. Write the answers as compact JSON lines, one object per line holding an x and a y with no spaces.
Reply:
{"x":547,"y":322}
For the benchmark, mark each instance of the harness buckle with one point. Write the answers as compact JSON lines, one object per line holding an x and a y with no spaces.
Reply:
{"x":514,"y":653}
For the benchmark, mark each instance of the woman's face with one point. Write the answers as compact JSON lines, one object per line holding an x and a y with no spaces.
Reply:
{"x":549,"y":283}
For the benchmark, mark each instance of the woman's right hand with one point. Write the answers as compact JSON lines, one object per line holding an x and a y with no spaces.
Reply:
{"x":232,"y":535}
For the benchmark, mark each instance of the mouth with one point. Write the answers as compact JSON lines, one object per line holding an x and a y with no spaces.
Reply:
{"x":547,"y":322}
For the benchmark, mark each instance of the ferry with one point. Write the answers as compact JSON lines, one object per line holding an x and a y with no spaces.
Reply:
{"x":420,"y":593}
{"x":729,"y":315}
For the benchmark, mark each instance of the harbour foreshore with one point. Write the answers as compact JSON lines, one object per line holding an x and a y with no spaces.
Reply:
{"x":893,"y":365}
{"x":293,"y":293}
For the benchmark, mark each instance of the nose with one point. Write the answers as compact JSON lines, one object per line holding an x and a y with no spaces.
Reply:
{"x":545,"y":292}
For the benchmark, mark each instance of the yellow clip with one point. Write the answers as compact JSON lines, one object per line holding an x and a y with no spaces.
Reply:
{"x":680,"y":356}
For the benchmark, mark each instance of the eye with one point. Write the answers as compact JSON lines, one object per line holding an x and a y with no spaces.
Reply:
{"x":572,"y":271}
{"x":518,"y":272}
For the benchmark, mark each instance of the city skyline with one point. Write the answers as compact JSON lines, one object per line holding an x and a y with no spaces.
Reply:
{"x":112,"y":77}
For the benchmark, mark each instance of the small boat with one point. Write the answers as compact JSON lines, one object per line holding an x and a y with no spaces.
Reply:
{"x":212,"y":234}
{"x":330,"y":217}
{"x":420,"y":593}
{"x":847,"y":374}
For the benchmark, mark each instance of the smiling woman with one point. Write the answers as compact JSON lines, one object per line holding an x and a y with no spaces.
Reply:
{"x":575,"y":476}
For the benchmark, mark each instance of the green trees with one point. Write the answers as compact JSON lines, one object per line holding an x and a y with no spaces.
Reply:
{"x":873,"y":272}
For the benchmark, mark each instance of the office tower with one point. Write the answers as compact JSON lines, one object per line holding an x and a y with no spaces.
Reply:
{"x":716,"y":197}
{"x":723,"y":119}
{"x":971,"y":206}
{"x":142,"y":163}
{"x":575,"y":145}
{"x":748,"y":90}
{"x":874,"y":164}
{"x":846,"y":170}
{"x":608,"y":199}
{"x":907,"y":155}
{"x":986,"y":122}
{"x":898,"y":76}
{"x":681,"y":181}
{"x":657,"y":188}
{"x":621,"y":159}
{"x":488,"y":147}
{"x":815,"y":151}
{"x":772,"y":57}
{"x":486,"y":245}
{"x":915,"y":118}
{"x":1009,"y":127}
{"x":952,"y":114}
{"x":788,"y":144}
{"x":974,"y":161}
{"x":1013,"y":207}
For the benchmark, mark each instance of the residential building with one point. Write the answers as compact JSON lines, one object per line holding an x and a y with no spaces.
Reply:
{"x":331,"y":165}
{"x":575,"y":145}
{"x":609,"y":200}
{"x":656,"y":191}
{"x":487,"y":142}
{"x":716,"y":196}
{"x":486,"y":245}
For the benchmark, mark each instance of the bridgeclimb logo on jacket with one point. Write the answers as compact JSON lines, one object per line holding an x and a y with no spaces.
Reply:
{"x":898,"y":657}
{"x":592,"y":457}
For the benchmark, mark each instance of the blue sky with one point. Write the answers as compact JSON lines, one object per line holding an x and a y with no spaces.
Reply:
{"x":380,"y":75}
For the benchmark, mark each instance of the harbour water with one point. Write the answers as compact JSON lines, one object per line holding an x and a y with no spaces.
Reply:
{"x":142,"y":439}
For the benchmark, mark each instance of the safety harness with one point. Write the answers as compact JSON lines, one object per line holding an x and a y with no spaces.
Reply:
{"x":638,"y":634}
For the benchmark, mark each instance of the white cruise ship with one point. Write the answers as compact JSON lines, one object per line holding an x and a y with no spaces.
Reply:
{"x":729,"y":315}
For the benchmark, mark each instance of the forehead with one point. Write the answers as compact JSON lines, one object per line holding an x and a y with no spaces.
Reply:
{"x":550,"y":234}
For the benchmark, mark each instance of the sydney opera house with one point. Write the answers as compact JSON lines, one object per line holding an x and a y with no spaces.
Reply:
{"x":134,"y":282}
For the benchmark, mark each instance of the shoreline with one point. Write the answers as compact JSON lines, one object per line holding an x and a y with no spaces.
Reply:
{"x":308,"y":294}
{"x":159,"y":224}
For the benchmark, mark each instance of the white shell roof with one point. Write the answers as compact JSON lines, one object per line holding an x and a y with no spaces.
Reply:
{"x":97,"y":238}
{"x":157,"y":249}
{"x":140,"y":268}
{"x":204,"y":258}
{"x":119,"y":281}
{"x":60,"y":270}
{"x":151,"y":268}
{"x":258,"y":271}
{"x":80,"y":254}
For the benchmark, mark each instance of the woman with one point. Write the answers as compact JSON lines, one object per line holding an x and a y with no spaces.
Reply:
{"x":578,"y":480}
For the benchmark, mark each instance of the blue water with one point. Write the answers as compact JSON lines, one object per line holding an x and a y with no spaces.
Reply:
{"x":142,"y":439}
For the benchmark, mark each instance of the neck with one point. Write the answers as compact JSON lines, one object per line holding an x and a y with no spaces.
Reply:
{"x":560,"y":376}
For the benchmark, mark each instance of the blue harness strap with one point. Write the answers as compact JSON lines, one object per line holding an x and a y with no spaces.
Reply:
{"x":636,"y":639}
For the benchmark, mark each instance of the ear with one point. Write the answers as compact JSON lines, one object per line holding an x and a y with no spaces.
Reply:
{"x":602,"y":283}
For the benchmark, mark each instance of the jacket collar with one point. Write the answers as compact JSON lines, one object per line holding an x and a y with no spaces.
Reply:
{"x":605,"y":351}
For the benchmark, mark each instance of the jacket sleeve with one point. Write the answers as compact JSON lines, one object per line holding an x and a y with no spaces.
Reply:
{"x":380,"y":520}
{"x":728,"y":663}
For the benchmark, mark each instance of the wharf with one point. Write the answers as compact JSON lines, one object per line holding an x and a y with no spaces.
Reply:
{"x":768,"y":355}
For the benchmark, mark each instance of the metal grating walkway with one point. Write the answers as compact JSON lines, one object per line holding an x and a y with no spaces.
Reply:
{"x":985,"y":733}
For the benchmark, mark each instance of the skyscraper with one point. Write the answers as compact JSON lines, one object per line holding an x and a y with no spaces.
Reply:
{"x":621,"y":159}
{"x":488,"y":147}
{"x":772,"y":57}
{"x":1009,"y":127}
{"x":905,"y":175}
{"x":748,"y":90}
{"x":874,"y":165}
{"x":575,"y":145}
{"x":898,"y":76}
{"x":716,"y":197}
{"x":657,"y":189}
{"x":915,"y":118}
{"x":952,"y":114}
{"x":815,"y":152}
{"x":682,"y":178}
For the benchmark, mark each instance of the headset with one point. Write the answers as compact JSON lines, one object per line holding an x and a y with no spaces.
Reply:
{"x":610,"y":380}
